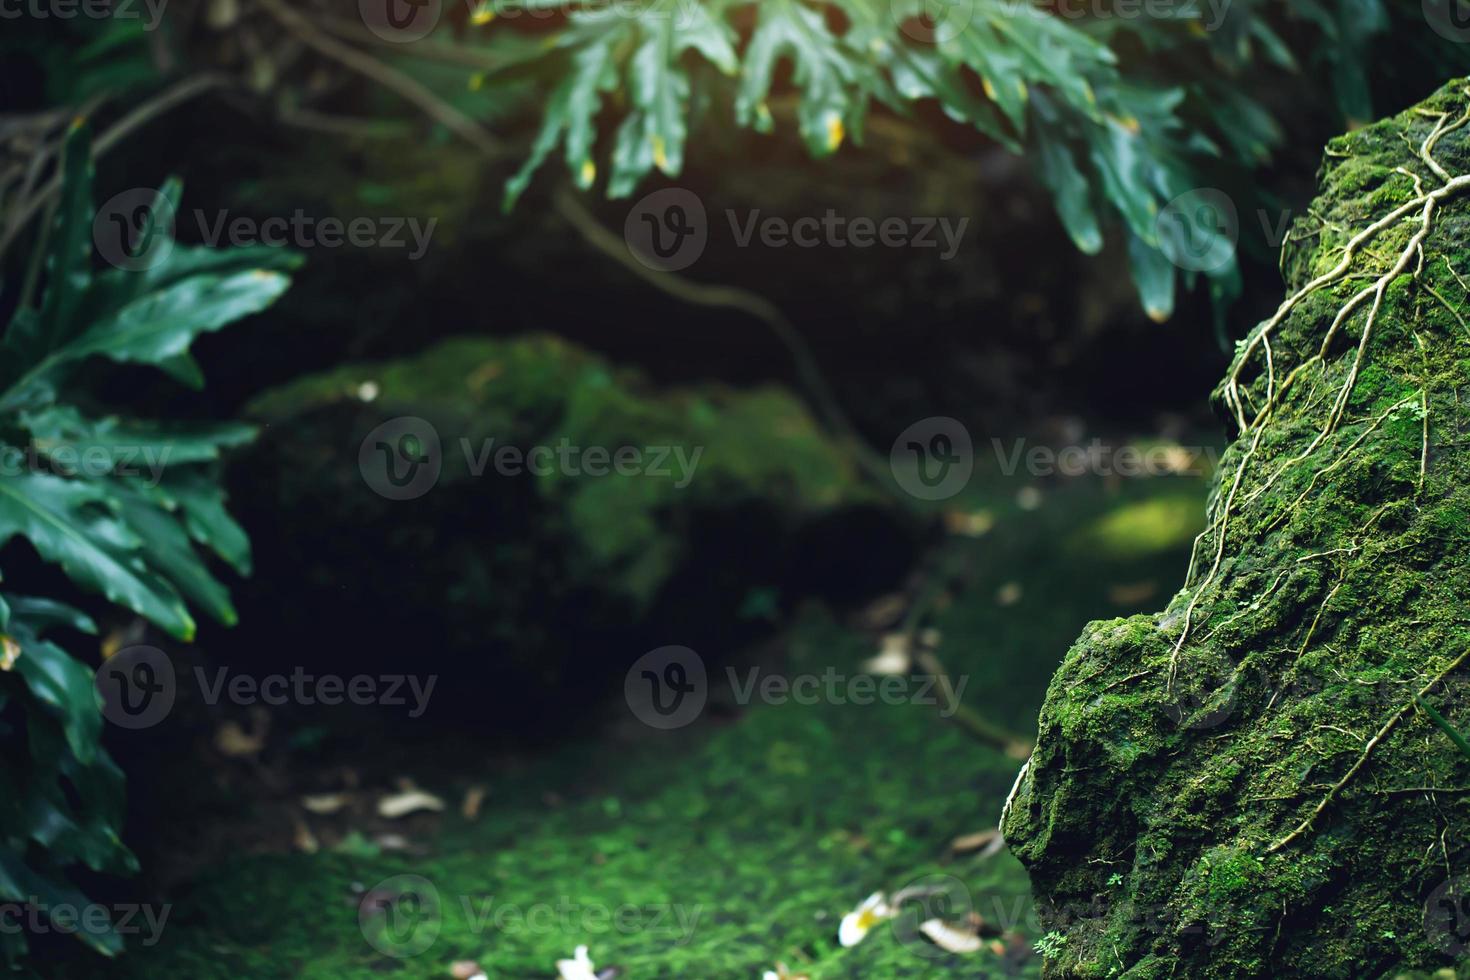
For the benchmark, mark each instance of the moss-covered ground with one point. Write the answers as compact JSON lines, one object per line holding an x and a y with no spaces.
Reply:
{"x":761,"y":830}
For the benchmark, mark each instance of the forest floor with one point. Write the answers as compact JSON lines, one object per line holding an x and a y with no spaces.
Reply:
{"x":738,"y":843}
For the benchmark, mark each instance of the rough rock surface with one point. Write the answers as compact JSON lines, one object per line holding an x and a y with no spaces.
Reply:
{"x":734,"y":506}
{"x":1245,"y":785}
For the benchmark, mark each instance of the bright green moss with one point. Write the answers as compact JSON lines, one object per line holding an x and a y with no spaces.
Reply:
{"x":1339,"y":591}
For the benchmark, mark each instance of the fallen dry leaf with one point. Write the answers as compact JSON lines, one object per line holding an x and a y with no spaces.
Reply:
{"x":888,"y":663}
{"x":392,"y":842}
{"x":303,"y":839}
{"x":1132,"y":593}
{"x":987,"y":842}
{"x":409,"y":801}
{"x":969,"y":525}
{"x":883,"y":612}
{"x":473,"y":798}
{"x":232,"y":740}
{"x":951,"y":939}
{"x":325,"y":803}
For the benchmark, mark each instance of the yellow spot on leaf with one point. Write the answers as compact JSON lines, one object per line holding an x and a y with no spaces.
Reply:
{"x":660,"y":159}
{"x":9,"y":652}
{"x":588,"y":174}
{"x":989,"y":89}
{"x":483,"y":15}
{"x":835,"y":131}
{"x":1129,"y":123}
{"x":477,"y":81}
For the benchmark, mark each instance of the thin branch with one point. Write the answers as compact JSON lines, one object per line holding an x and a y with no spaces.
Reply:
{"x":168,"y":99}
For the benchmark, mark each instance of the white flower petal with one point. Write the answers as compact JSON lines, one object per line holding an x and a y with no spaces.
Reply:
{"x":579,"y":967}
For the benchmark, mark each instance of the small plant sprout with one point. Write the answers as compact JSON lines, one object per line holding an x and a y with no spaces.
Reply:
{"x":860,"y":921}
{"x":1050,"y":945}
{"x":1454,"y":734}
{"x":579,"y":967}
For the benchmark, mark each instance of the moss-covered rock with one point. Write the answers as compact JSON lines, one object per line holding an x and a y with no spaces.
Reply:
{"x":732,"y":504}
{"x":1244,"y":784}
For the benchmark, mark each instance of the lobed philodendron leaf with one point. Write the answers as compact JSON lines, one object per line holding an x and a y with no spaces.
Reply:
{"x":828,"y":75}
{"x":75,"y":524}
{"x":129,"y":510}
{"x":573,"y":105}
{"x":1080,"y":94}
{"x":160,"y":326}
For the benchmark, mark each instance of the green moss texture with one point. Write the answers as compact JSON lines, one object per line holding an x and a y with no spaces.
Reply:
{"x":1244,"y":784}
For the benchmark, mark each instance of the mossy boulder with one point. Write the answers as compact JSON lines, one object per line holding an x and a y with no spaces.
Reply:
{"x":1246,"y":785}
{"x":548,"y":569}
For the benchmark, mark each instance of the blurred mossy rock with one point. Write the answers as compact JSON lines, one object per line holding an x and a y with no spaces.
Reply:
{"x":740,"y":505}
{"x":1245,"y":785}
